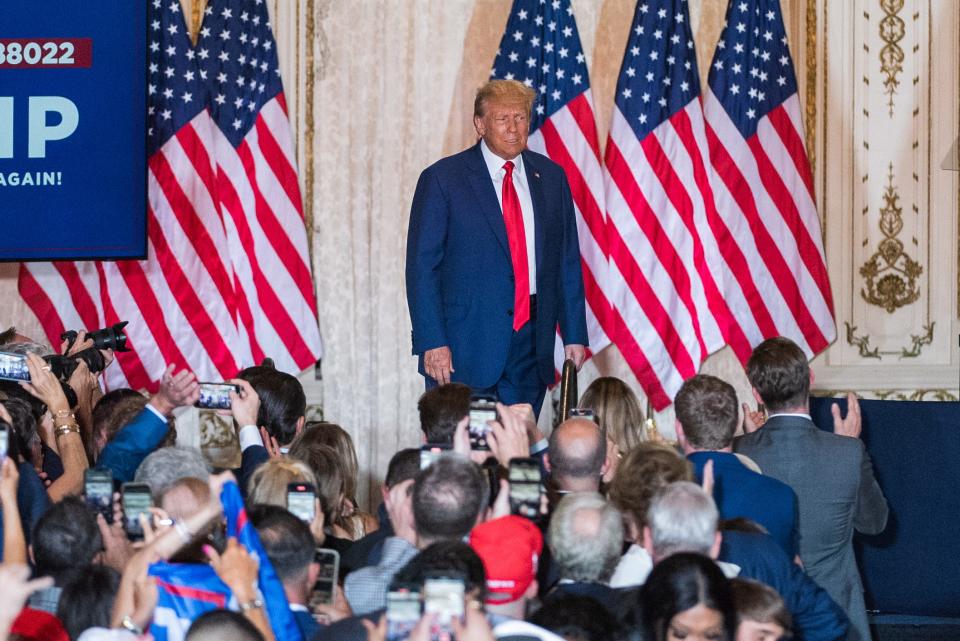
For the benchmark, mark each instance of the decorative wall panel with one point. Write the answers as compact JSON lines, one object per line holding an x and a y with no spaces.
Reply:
{"x":885,"y":90}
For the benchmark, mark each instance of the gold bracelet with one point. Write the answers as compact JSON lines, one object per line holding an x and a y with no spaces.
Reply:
{"x":66,"y":429}
{"x":64,"y":413}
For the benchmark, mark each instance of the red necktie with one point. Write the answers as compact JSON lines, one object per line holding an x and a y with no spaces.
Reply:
{"x":513,"y":218}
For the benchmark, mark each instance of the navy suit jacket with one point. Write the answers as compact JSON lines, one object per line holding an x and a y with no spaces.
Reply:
{"x":741,"y":492}
{"x":138,"y":438}
{"x":460,"y":286}
{"x":816,"y":616}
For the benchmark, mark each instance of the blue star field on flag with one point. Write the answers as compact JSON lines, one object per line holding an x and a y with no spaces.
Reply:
{"x":541,"y":48}
{"x":659,"y":74}
{"x":752,"y":72}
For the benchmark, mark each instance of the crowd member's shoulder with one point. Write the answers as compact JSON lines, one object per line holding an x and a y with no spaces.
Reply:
{"x":349,"y":629}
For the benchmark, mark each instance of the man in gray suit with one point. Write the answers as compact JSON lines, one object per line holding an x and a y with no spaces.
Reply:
{"x":831,"y":473}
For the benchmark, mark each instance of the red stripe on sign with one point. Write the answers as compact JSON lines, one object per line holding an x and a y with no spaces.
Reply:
{"x":46,"y":53}
{"x":207,"y":596}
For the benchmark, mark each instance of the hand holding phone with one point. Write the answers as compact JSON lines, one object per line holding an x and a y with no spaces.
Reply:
{"x":98,"y":492}
{"x":324,"y":588}
{"x":483,"y":408}
{"x":403,"y":613}
{"x":136,"y":500}
{"x":444,"y":597}
{"x":526,"y":487}
{"x":216,"y":396}
{"x":301,"y":501}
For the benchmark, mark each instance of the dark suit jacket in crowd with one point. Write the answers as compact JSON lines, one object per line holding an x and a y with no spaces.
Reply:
{"x":741,"y":492}
{"x":816,"y":616}
{"x":837,"y":493}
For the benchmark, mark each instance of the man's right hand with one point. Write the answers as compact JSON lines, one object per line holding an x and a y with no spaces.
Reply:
{"x":438,"y":364}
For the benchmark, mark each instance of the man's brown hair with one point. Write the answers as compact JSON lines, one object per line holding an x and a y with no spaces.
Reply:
{"x":779,"y":371}
{"x":646,"y":470}
{"x":755,"y":601}
{"x":507,"y":91}
{"x":441,"y":408}
{"x":706,"y":407}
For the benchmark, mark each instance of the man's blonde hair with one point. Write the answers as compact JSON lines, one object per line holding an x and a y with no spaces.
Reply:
{"x":505,"y":91}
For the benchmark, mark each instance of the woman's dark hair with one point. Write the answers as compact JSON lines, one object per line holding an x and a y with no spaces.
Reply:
{"x":576,"y":617}
{"x":87,"y":599}
{"x":680,"y":582}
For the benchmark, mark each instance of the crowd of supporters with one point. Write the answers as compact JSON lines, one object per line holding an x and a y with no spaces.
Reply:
{"x":596,"y":532}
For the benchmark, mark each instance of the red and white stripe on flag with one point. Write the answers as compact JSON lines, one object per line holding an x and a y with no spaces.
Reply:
{"x":778,"y":284}
{"x":226,"y":281}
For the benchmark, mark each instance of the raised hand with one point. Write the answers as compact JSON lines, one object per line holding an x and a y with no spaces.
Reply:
{"x":852,"y":424}
{"x":175,"y":391}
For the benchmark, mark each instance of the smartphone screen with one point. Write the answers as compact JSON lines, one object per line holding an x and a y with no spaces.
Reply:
{"x":301,"y":501}
{"x":582,"y":412}
{"x":136,"y":501}
{"x":216,"y":396}
{"x":324,"y":589}
{"x":4,"y":440}
{"x":13,"y":367}
{"x":430,"y":452}
{"x":525,"y":487}
{"x":444,"y":597}
{"x":482,"y":409}
{"x":98,"y":492}
{"x":403,"y":613}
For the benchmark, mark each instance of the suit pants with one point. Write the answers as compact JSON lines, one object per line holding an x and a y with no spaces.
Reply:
{"x":520,"y":381}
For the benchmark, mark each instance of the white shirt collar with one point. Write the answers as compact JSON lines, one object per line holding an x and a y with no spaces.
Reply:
{"x":799,"y":414}
{"x":495,"y":163}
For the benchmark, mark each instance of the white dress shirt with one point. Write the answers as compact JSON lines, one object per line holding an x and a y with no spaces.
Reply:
{"x":497,"y":172}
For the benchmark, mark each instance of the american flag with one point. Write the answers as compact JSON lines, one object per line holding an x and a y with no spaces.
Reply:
{"x":227,"y":278}
{"x":541,"y":48}
{"x":664,"y":229}
{"x":763,"y":186}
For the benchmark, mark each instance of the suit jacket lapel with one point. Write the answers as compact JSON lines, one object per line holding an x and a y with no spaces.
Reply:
{"x":487,"y":197}
{"x":535,"y":183}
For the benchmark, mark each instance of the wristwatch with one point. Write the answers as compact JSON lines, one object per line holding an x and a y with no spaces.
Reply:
{"x":255,"y":604}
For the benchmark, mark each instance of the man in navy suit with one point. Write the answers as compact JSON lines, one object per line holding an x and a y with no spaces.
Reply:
{"x":706,"y":410}
{"x":493,"y":259}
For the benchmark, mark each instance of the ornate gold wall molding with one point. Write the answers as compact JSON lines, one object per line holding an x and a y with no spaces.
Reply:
{"x":892,"y":31}
{"x":890,"y":273}
{"x":810,"y":102}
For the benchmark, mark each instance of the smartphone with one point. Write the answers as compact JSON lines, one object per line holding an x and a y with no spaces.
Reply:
{"x":526,"y":487}
{"x":13,"y":367}
{"x":4,"y":440}
{"x":430,"y":452}
{"x":98,"y":492}
{"x":216,"y":396}
{"x":483,"y":408}
{"x":582,"y":412}
{"x":301,"y":501}
{"x":443,"y":596}
{"x":324,"y":589}
{"x":403,"y":613}
{"x":136,"y":500}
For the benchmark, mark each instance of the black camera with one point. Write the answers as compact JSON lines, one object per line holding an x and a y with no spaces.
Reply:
{"x":107,"y":338}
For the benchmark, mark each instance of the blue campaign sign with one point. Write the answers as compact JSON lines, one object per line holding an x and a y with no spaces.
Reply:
{"x":73,"y":129}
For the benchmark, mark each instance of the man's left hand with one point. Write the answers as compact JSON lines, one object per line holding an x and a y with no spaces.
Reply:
{"x":575,"y":353}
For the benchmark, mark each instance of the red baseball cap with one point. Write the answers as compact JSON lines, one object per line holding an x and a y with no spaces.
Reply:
{"x":510,"y":549}
{"x":37,"y":625}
